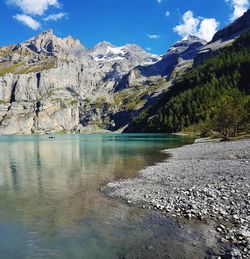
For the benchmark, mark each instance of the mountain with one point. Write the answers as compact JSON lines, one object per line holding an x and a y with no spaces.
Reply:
{"x":178,"y":58}
{"x":52,"y":84}
{"x":47,"y":44}
{"x":106,"y":52}
{"x":213,"y":96}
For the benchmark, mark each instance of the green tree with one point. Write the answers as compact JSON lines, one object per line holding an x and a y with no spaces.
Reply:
{"x":229,"y":116}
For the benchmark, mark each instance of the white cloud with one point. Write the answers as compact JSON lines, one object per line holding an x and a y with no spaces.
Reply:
{"x":189,"y":25}
{"x":28,"y":21}
{"x":239,"y":6}
{"x":205,"y":28}
{"x":208,"y":27}
{"x":167,"y":14}
{"x":34,"y":7}
{"x":55,"y":17}
{"x":154,"y":36}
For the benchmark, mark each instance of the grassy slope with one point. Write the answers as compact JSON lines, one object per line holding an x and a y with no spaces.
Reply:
{"x":21,"y":66}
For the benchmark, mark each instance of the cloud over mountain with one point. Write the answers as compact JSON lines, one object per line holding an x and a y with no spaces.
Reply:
{"x":239,"y":8}
{"x":203,"y":28}
{"x":34,"y":7}
{"x":28,"y":21}
{"x":35,"y":12}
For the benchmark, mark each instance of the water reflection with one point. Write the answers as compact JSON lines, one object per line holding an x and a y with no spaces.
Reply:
{"x":49,"y":199}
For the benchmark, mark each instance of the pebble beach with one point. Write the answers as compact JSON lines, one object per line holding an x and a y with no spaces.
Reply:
{"x":205,"y":181}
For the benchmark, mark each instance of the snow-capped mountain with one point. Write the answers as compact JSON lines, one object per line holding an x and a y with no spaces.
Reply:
{"x":106,"y":52}
{"x":177,"y":59}
{"x":188,"y":41}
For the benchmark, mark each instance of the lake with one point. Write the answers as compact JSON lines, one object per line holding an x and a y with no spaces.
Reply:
{"x":51,"y":206}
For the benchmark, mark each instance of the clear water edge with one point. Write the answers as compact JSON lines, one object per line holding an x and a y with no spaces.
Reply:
{"x":50,"y":206}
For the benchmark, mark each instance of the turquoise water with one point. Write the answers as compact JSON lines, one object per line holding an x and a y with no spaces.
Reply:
{"x":51,"y":206}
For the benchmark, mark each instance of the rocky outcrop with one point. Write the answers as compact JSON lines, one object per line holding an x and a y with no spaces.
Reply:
{"x":96,"y":114}
{"x":48,"y":44}
{"x":18,"y":118}
{"x":234,"y":29}
{"x":56,"y":117}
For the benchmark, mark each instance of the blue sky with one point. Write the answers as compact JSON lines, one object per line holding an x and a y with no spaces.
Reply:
{"x":152,"y":24}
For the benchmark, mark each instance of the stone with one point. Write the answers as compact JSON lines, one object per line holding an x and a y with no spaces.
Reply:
{"x":235,"y":253}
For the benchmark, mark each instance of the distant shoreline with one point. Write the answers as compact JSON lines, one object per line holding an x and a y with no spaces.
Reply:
{"x":203,"y":181}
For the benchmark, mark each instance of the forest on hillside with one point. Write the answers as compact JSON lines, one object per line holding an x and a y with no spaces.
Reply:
{"x":214,"y":96}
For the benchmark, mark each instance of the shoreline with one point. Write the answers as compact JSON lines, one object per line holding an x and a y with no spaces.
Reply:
{"x":204,"y":181}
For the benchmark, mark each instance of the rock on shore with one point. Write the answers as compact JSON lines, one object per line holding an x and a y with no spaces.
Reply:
{"x":202,"y":181}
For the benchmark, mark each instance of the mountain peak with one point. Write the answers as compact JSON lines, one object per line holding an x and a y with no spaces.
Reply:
{"x":45,"y":34}
{"x":134,"y":46}
{"x":48,"y":32}
{"x":69,"y":37}
{"x":192,"y":39}
{"x":188,"y":41}
{"x":103,"y":45}
{"x":71,"y":41}
{"x":107,"y":52}
{"x":48,"y":44}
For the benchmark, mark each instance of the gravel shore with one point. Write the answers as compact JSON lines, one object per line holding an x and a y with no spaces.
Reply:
{"x":204,"y":181}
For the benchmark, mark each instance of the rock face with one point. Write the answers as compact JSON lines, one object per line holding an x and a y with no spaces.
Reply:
{"x":48,"y":45}
{"x":49,"y":84}
{"x":46,"y":81}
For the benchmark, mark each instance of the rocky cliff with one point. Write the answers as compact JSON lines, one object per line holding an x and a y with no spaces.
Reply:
{"x":53,"y":84}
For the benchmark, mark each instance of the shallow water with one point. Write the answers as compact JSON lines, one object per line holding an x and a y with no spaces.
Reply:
{"x":50,"y":206}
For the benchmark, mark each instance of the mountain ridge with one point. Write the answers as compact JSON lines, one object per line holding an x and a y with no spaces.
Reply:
{"x":52,"y":84}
